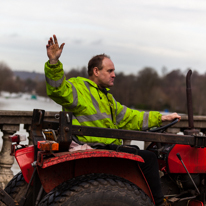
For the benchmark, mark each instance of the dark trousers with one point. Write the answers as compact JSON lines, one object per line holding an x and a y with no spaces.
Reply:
{"x":151,"y":172}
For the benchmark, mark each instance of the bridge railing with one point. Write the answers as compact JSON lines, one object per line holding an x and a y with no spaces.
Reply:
{"x":10,"y":122}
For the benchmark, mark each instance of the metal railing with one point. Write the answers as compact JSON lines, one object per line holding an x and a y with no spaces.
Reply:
{"x":10,"y":122}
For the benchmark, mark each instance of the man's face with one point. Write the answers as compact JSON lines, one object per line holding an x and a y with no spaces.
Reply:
{"x":106,"y":75}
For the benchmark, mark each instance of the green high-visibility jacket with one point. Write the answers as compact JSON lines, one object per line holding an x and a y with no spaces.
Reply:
{"x":93,"y":107}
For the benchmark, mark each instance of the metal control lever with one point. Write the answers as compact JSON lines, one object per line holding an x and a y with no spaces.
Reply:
{"x":179,"y":157}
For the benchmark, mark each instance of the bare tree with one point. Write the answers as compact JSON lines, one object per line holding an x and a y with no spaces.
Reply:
{"x":147,"y":83}
{"x":77,"y":72}
{"x":41,"y":88}
{"x":5,"y":74}
{"x":173,"y":85}
{"x":198,"y":93}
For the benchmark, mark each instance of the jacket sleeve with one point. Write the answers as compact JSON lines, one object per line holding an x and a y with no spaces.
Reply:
{"x":58,"y":88}
{"x":135,"y":120}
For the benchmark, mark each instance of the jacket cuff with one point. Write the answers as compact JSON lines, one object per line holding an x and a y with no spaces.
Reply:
{"x":54,"y":71}
{"x":53,"y":65}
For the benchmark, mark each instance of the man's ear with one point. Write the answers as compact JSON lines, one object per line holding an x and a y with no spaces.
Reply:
{"x":95,"y":71}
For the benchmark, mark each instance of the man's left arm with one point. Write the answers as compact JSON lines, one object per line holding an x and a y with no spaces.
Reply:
{"x":132,"y":119}
{"x":135,"y":120}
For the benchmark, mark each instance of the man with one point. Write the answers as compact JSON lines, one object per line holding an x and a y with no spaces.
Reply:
{"x":92,"y":105}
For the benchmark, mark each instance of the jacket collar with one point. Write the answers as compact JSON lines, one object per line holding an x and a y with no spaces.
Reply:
{"x":91,"y":83}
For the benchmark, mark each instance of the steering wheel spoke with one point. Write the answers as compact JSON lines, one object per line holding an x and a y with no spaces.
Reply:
{"x":163,"y":128}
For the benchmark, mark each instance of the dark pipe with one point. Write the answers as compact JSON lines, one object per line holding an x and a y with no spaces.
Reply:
{"x":189,"y":100}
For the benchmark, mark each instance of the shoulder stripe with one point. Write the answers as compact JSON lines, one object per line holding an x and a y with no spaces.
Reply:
{"x":54,"y":83}
{"x":120,"y":116}
{"x":93,"y":117}
{"x":116,"y":105}
{"x":94,"y":101}
{"x":145,"y":123}
{"x":75,"y":96}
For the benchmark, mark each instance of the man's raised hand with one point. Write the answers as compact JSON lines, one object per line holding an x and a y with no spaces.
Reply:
{"x":53,"y":50}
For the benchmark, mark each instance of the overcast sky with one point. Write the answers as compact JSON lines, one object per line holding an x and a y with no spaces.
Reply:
{"x":136,"y":34}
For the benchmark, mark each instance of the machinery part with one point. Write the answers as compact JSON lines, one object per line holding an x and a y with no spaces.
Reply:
{"x":169,"y":186}
{"x":97,"y":190}
{"x":50,"y":134}
{"x":179,"y":157}
{"x":6,"y":199}
{"x":36,"y":126}
{"x":65,"y":131}
{"x":16,"y":189}
{"x":26,"y":192}
{"x":68,"y":130}
{"x":39,"y":195}
{"x":191,"y":130}
{"x":133,"y":135}
{"x":195,"y":203}
{"x":189,"y":100}
{"x":170,"y":189}
{"x":163,"y":128}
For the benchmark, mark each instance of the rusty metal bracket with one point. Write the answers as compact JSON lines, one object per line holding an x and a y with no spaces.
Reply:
{"x":36,"y":126}
{"x":65,"y":131}
{"x":133,"y":135}
{"x":200,"y":141}
{"x":42,"y":155}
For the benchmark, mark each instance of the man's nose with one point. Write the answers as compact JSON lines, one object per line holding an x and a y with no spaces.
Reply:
{"x":113,"y":74}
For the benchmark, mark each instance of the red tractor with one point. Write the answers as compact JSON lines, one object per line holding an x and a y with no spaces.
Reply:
{"x":51,"y":174}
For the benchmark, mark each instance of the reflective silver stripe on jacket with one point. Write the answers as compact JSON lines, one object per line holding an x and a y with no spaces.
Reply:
{"x":145,"y":123}
{"x":120,"y":116}
{"x":94,"y":101}
{"x":54,"y":83}
{"x":116,"y":106}
{"x":75,"y":96}
{"x":93,"y":117}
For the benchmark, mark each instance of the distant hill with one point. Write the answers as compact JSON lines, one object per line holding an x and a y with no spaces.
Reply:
{"x":29,"y":75}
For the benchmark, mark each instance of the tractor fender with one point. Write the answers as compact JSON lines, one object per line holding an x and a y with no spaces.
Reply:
{"x":25,"y":158}
{"x":63,"y":166}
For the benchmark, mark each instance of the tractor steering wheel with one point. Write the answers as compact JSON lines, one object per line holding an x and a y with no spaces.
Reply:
{"x":163,"y":128}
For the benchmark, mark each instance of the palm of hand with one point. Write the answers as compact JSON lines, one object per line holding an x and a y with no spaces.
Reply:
{"x":54,"y":52}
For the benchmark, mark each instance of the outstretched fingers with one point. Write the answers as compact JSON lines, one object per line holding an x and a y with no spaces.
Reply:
{"x":47,"y":46}
{"x":174,"y":116}
{"x":62,"y":46}
{"x":53,"y":49}
{"x":51,"y":41}
{"x":55,"y":39}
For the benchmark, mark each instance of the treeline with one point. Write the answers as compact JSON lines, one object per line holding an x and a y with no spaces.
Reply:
{"x":144,"y":91}
{"x":10,"y":83}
